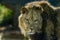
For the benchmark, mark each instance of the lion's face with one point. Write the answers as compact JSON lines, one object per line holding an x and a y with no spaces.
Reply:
{"x":32,"y":18}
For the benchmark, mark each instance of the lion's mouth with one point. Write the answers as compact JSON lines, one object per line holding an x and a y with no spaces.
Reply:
{"x":31,"y":32}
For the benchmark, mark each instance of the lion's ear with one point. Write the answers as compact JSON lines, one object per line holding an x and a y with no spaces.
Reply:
{"x":24,"y":10}
{"x":36,"y":8}
{"x":39,"y":9}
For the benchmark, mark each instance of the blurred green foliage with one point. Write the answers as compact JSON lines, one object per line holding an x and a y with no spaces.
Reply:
{"x":5,"y":14}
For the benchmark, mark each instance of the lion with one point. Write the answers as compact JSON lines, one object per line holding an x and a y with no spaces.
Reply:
{"x":37,"y":17}
{"x":29,"y":19}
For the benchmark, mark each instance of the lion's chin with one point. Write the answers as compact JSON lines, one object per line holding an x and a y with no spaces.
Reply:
{"x":31,"y":33}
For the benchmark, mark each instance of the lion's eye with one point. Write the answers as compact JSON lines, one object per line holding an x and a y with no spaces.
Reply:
{"x":26,"y":20}
{"x":36,"y":21}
